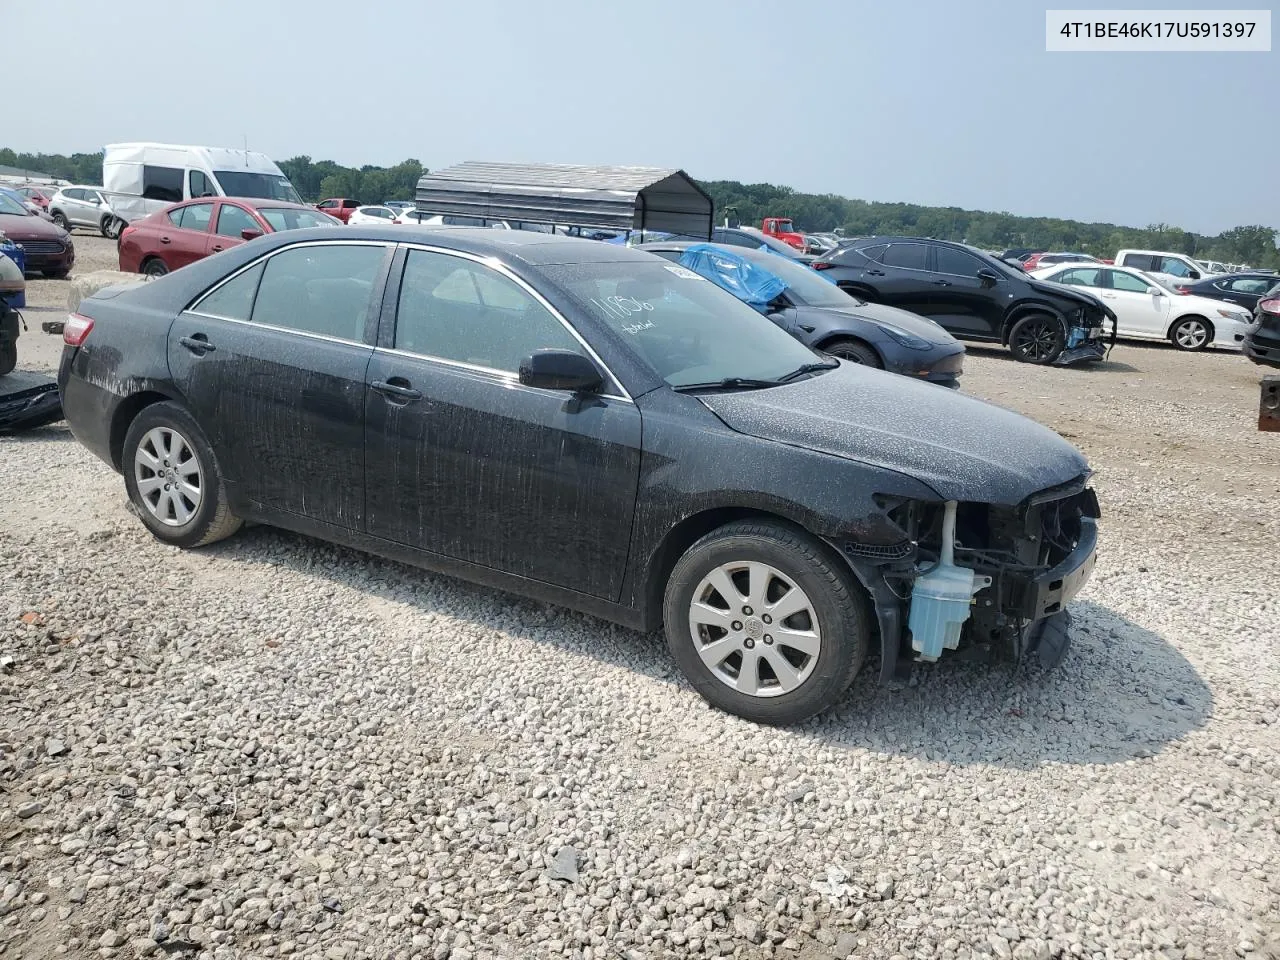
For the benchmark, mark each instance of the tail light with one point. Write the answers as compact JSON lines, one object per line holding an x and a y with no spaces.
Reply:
{"x":821,"y":265}
{"x":76,"y":329}
{"x":1270,"y":306}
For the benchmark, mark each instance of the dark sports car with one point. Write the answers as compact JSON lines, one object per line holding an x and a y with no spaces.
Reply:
{"x":823,"y":316}
{"x":594,"y":426}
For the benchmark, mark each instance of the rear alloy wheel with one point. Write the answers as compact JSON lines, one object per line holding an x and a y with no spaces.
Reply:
{"x":173,"y":480}
{"x":764,"y":622}
{"x":1037,"y":338}
{"x":154,"y":267}
{"x":854,"y":352}
{"x":1191,"y":334}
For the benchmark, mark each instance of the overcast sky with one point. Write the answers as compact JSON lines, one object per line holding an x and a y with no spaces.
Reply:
{"x":935,"y":102}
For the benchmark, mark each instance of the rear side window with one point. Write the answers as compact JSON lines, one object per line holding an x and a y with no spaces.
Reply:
{"x":909,"y":256}
{"x":1248,"y":285}
{"x":459,"y":310}
{"x":322,"y":289}
{"x":350,"y":204}
{"x":1081,"y":277}
{"x":194,"y":216}
{"x":1139,"y":261}
{"x":162,"y":183}
{"x":873,"y":252}
{"x":234,"y":299}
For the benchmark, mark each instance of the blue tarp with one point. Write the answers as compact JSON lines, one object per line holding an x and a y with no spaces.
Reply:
{"x":749,"y":282}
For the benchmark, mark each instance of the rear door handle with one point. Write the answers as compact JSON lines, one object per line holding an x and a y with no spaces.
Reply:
{"x":1108,"y":296}
{"x":942,"y":283}
{"x":198,"y":344}
{"x":217,"y":248}
{"x":398,"y":388}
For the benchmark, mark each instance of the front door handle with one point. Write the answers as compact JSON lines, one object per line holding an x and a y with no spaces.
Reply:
{"x":396,"y":388}
{"x":942,"y":283}
{"x":164,"y":239}
{"x":875,"y":273}
{"x":216,"y":248}
{"x":1108,"y":296}
{"x":198,"y":344}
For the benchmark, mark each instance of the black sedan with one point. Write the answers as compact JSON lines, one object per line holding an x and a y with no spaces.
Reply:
{"x":1243,"y":289}
{"x":820,"y":314}
{"x":974,"y":296}
{"x":1262,"y":342}
{"x":593,"y":426}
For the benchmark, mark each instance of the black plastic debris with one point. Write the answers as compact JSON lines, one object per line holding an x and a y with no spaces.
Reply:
{"x":28,"y":400}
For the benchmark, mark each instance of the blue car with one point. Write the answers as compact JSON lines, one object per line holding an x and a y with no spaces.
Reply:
{"x":821,"y":315}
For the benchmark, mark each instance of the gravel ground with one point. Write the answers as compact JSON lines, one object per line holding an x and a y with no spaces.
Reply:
{"x":274,"y":748}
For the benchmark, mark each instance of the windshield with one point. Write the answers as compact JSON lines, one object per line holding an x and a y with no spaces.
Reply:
{"x":685,"y":328}
{"x":265,"y":186}
{"x":286,"y":218}
{"x":804,"y":287}
{"x":784,"y":226}
{"x":996,"y":264}
{"x":12,"y":207}
{"x":776,"y":245}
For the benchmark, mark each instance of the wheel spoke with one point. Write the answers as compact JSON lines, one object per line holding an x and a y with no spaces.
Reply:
{"x":149,"y":485}
{"x":192,"y":493}
{"x":720,"y":579}
{"x":758,"y":577}
{"x":147,"y":457}
{"x":190,"y":467}
{"x":788,"y":676}
{"x":181,"y":512}
{"x":806,"y":641}
{"x":711,"y":616}
{"x":713,"y":654}
{"x":749,"y":674}
{"x":791,"y":603}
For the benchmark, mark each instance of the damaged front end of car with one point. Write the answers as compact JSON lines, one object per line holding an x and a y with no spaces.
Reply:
{"x":1087,"y":338}
{"x":974,"y":579}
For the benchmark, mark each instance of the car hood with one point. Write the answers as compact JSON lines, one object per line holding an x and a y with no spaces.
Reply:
{"x":912,"y":323}
{"x":1065,"y":292}
{"x":29,"y":228}
{"x":965,"y":449}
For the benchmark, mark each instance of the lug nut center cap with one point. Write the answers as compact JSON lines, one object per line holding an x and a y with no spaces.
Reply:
{"x":754,"y":628}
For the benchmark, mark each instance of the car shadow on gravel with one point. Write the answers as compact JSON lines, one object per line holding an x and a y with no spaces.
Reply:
{"x":1123,"y":692}
{"x":1096,"y":366}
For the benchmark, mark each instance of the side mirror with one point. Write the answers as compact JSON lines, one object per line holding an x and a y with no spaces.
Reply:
{"x":988,"y":277}
{"x":1155,"y":291}
{"x":1195,"y":274}
{"x":560,"y":370}
{"x":250,"y":234}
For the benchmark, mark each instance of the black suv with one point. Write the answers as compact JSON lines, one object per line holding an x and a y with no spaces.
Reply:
{"x":973,"y":296}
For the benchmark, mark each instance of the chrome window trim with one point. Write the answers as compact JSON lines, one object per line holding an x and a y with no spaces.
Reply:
{"x":272,"y":327}
{"x":499,"y":267}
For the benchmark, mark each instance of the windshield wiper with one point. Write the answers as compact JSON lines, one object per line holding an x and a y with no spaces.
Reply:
{"x":807,"y":368}
{"x":728,"y":383}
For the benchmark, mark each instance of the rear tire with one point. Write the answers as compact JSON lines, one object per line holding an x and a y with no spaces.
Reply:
{"x":173,"y":479}
{"x":854,"y":351}
{"x":153,"y":267}
{"x":1037,"y":338}
{"x":8,"y":357}
{"x":717,"y":613}
{"x":1192,"y":334}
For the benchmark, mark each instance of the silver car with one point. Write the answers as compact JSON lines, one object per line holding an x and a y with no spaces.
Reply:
{"x":82,"y":207}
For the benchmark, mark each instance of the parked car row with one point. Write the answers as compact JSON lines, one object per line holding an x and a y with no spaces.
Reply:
{"x":48,"y":249}
{"x":1262,"y":342}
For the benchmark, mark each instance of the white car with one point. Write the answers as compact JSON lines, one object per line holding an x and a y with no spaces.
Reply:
{"x":371,"y":214}
{"x":1165,"y":266}
{"x":1147,"y":309}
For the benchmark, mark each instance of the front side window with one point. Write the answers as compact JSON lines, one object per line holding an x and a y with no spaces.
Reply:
{"x":908,"y":256}
{"x":199,"y":184}
{"x":1081,"y":277}
{"x":956,"y":262}
{"x":1174,"y":267}
{"x":232,"y":219}
{"x":463,"y":311}
{"x":323,"y":289}
{"x":1128,"y":282}
{"x":328,"y":204}
{"x":685,"y":328}
{"x":162,"y":183}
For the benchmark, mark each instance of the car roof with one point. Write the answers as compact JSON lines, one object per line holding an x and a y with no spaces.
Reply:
{"x":747,"y":253}
{"x":257,"y":203}
{"x":536,"y":249}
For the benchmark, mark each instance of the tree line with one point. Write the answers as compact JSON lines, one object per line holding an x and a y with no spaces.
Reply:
{"x":749,"y":203}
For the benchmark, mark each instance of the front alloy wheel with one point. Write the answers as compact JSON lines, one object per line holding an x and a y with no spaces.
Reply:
{"x":754,"y":629}
{"x":1191,"y":334}
{"x":1037,"y":339}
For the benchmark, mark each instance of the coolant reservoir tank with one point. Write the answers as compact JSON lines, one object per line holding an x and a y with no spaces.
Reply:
{"x":941,"y":598}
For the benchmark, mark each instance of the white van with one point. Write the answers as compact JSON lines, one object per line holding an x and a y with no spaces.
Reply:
{"x":140,"y":178}
{"x":1173,"y":267}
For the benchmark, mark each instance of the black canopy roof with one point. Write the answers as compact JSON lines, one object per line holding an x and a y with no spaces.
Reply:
{"x":612,"y":198}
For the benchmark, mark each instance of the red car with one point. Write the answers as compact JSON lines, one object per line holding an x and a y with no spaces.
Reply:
{"x":186,"y":232}
{"x":340,"y":207}
{"x":37,"y":196}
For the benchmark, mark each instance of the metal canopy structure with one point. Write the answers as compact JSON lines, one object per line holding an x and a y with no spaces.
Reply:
{"x":611,"y":198}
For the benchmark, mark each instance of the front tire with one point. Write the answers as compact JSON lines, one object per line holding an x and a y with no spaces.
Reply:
{"x":173,"y":479}
{"x":765,"y":623}
{"x":60,"y":219}
{"x":854,"y":351}
{"x":1192,"y":334}
{"x":111,"y":227}
{"x":1037,"y":338}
